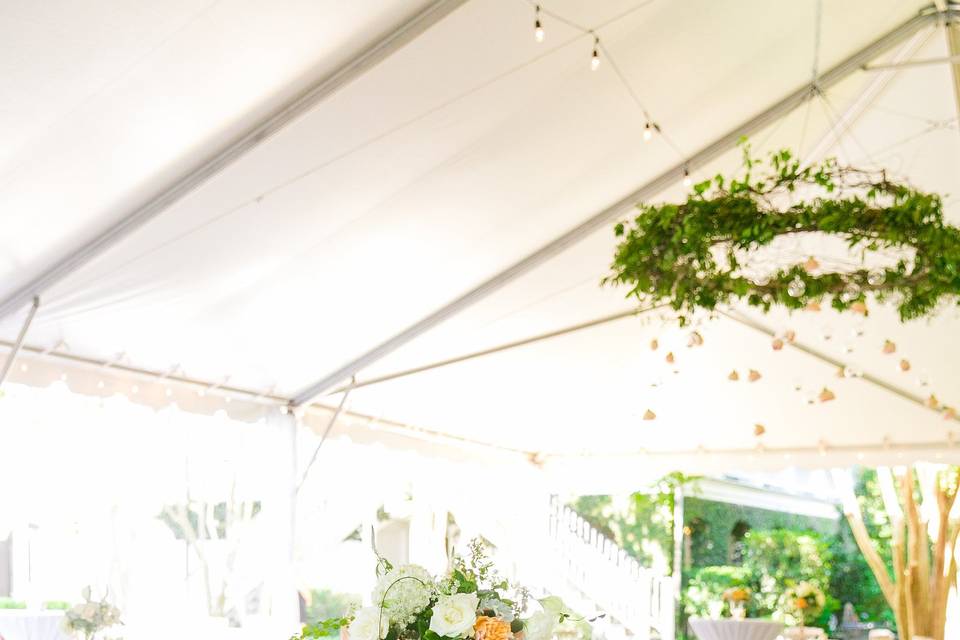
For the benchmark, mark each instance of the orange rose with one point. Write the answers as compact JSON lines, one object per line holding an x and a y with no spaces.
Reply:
{"x":487,"y":628}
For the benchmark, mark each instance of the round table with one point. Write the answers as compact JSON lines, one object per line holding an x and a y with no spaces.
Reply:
{"x":23,"y":624}
{"x":730,"y":629}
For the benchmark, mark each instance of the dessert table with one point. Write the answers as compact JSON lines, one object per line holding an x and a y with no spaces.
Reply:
{"x":24,"y":624}
{"x":730,"y":629}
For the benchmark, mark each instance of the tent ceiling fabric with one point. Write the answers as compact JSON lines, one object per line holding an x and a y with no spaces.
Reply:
{"x":449,"y":161}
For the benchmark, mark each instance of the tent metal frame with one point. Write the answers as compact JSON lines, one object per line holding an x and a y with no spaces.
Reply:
{"x":407,"y":430}
{"x":868,"y":96}
{"x":943,"y":14}
{"x":357,"y":384}
{"x":269,"y":399}
{"x":821,"y":449}
{"x":832,"y":76}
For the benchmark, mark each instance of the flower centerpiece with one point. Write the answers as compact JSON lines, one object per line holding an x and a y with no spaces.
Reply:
{"x":471,"y":601}
{"x":90,"y":617}
{"x":803,"y":602}
{"x":737,"y":598}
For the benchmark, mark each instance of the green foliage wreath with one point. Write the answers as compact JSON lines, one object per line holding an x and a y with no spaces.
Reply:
{"x":696,"y":255}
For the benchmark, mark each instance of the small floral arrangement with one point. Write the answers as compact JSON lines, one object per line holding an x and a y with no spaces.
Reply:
{"x":736,"y":599}
{"x":91,"y":616}
{"x":472,"y":601}
{"x":736,"y":594}
{"x":803,"y":602}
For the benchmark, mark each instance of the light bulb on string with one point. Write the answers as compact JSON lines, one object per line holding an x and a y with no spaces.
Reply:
{"x":595,"y":59}
{"x":687,"y":180}
{"x":538,"y":33}
{"x":647,"y":132}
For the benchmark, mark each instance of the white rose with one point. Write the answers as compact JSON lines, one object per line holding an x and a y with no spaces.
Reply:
{"x":365,"y":625}
{"x":453,"y":616}
{"x":540,"y":626}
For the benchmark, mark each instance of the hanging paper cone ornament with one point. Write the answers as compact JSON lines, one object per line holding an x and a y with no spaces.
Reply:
{"x":759,"y":430}
{"x":670,"y":359}
{"x":949,"y":413}
{"x":777,"y":344}
{"x":859,"y":307}
{"x":734,"y":376}
{"x":889,"y":346}
{"x":649,"y":415}
{"x":654,"y":344}
{"x":826,"y":395}
{"x":695,"y":339}
{"x":811,"y":265}
{"x":754,"y":375}
{"x":790,"y":335}
{"x":904,"y":365}
{"x":932,"y":402}
{"x":813,"y":306}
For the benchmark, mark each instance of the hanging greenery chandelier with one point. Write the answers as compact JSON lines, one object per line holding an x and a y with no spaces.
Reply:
{"x":709,"y":250}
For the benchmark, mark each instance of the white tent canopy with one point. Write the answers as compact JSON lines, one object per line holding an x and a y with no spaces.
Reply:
{"x":438,"y":146}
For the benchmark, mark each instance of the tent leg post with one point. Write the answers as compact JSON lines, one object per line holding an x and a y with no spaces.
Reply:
{"x":20,"y":338}
{"x":285,"y":607}
{"x":677,"y":558}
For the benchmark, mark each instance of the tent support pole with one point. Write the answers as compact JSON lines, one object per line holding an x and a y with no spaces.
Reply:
{"x":677,"y":569}
{"x":283,"y":511}
{"x":906,"y":64}
{"x":828,"y":359}
{"x":326,"y":434}
{"x":600,"y":219}
{"x":354,"y":384}
{"x":385,"y":46}
{"x":952,"y":32}
{"x":15,"y":349}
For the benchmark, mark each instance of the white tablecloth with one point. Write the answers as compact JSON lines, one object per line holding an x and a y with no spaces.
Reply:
{"x":19,"y":624}
{"x":729,"y":629}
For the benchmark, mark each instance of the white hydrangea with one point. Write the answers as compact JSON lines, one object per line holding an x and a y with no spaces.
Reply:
{"x":404,"y":591}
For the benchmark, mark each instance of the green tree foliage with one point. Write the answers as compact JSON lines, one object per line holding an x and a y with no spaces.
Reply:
{"x":643,"y":526}
{"x":781,"y":558}
{"x":779,"y":549}
{"x":324,"y":606}
{"x":705,"y":588}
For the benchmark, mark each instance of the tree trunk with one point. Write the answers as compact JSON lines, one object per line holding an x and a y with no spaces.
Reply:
{"x":924,"y":565}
